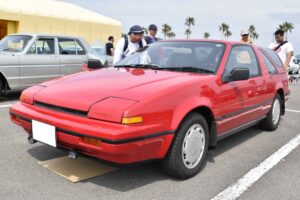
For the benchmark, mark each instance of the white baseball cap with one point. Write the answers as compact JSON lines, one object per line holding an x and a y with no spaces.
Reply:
{"x":244,"y":32}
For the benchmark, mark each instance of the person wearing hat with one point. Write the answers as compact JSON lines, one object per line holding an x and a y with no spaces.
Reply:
{"x":130,"y":43}
{"x":245,"y":37}
{"x":152,"y":30}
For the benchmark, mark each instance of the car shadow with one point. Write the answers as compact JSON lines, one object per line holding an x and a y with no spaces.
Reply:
{"x":10,"y":96}
{"x":134,"y":176}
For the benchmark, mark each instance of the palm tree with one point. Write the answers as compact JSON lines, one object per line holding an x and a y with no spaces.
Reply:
{"x":227,"y":34}
{"x":187,"y":33}
{"x":223,"y":28}
{"x":190,"y":21}
{"x":255,"y":36}
{"x":252,"y":33}
{"x":145,"y":31}
{"x":286,"y":27}
{"x":165,"y":29}
{"x":206,"y":35}
{"x":171,"y":34}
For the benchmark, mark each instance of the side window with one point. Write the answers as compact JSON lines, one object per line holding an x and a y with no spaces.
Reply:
{"x":67,"y":46}
{"x":43,"y":46}
{"x":242,"y":57}
{"x":270,"y":66}
{"x":79,"y":49}
{"x":70,"y":47}
{"x":273,"y":55}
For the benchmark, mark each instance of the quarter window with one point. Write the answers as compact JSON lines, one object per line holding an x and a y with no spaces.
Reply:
{"x":242,"y":57}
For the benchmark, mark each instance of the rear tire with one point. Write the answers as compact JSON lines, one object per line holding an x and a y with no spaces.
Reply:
{"x":188,"y":150}
{"x":273,"y":118}
{"x":1,"y":87}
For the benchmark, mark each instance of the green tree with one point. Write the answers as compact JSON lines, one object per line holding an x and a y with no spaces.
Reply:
{"x":227,"y":34}
{"x":145,"y":31}
{"x":223,"y":28}
{"x":187,"y":33}
{"x":190,"y":21}
{"x":206,"y":35}
{"x":166,"y":29}
{"x":252,"y":33}
{"x":286,"y":27}
{"x":171,"y":34}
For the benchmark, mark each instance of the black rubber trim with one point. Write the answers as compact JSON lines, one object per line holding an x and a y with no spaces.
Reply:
{"x":122,"y":141}
{"x":108,"y":141}
{"x":22,"y":118}
{"x":239,"y":128}
{"x":243,"y":110}
{"x":61,"y":109}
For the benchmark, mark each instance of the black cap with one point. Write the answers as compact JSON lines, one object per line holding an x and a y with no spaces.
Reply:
{"x":152,"y":27}
{"x":136,"y":29}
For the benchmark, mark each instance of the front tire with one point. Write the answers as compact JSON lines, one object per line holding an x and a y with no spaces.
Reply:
{"x":188,"y":150}
{"x":273,"y":118}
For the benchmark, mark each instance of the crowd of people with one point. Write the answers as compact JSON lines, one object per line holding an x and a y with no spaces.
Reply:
{"x":135,"y":40}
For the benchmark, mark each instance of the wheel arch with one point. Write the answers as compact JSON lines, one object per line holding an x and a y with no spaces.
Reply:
{"x":280,"y":92}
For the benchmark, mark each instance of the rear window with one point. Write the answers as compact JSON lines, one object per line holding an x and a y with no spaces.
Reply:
{"x":275,"y":58}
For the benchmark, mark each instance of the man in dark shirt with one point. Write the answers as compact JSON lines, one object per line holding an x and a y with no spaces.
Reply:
{"x":109,"y":46}
{"x":152,"y":30}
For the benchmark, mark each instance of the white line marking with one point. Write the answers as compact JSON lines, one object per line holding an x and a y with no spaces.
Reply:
{"x":238,"y":188}
{"x":5,"y":106}
{"x":296,"y":111}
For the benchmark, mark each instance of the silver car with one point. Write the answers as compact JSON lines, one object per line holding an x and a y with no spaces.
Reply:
{"x":28,"y":59}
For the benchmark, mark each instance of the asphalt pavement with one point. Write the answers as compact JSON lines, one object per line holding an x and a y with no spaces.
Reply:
{"x":21,"y":177}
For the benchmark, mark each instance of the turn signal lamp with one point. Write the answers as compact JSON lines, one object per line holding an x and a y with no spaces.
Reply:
{"x":132,"y":120}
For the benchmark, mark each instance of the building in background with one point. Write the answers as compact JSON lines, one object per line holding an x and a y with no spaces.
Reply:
{"x":55,"y":17}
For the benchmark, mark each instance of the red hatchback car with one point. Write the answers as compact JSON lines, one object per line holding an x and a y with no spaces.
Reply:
{"x":170,"y":101}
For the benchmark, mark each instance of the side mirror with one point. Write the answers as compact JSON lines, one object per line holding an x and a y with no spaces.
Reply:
{"x":94,"y":64}
{"x":239,"y":74}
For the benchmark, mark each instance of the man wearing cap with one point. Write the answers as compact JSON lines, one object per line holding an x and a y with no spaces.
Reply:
{"x":245,"y":37}
{"x":152,"y":30}
{"x":130,"y":43}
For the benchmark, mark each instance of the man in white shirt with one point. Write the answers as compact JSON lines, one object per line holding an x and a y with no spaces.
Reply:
{"x":284,"y":49}
{"x":130,"y":44}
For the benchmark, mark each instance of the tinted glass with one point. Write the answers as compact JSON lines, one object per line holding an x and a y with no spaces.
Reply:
{"x":43,"y":46}
{"x":275,"y":58}
{"x":270,"y":66}
{"x":67,"y":46}
{"x":205,"y":56}
{"x":242,"y":57}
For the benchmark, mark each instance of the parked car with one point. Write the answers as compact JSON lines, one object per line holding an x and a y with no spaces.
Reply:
{"x":168,"y":101}
{"x":29,"y":59}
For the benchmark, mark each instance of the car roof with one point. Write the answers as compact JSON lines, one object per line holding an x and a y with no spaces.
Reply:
{"x":206,"y":40}
{"x":45,"y":35}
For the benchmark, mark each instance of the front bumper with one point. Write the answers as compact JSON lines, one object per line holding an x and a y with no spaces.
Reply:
{"x":121,"y":144}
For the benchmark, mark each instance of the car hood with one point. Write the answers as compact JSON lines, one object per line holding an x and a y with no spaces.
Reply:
{"x":80,"y":91}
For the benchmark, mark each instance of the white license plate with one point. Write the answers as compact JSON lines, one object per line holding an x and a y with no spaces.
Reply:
{"x":44,"y":133}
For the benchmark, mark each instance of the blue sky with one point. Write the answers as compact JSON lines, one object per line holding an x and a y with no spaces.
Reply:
{"x":209,"y":14}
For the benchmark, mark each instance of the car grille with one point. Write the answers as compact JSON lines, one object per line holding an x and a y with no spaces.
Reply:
{"x":61,"y":109}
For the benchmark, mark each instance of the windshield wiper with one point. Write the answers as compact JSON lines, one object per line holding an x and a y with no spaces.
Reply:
{"x":188,"y":69}
{"x":143,"y":66}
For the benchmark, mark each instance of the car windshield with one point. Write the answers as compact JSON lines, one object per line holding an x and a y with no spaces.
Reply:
{"x":190,"y":56}
{"x":14,"y":43}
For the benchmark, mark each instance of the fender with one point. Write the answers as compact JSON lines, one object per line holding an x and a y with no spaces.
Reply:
{"x":187,"y":106}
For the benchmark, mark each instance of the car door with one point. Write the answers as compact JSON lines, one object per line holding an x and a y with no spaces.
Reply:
{"x":40,"y":63}
{"x":240,"y":102}
{"x":72,"y":55}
